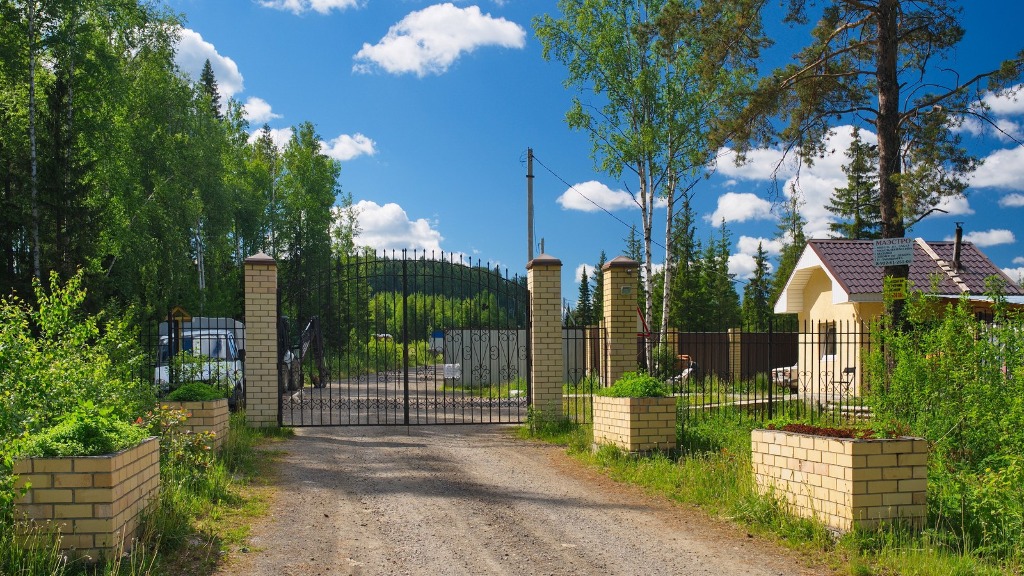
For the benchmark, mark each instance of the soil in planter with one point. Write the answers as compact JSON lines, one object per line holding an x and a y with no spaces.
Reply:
{"x":826,"y":431}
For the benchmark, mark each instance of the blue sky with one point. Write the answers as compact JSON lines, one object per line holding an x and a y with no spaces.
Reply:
{"x":430,"y":107}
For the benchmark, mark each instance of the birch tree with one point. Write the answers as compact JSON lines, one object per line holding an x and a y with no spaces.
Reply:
{"x":649,"y":106}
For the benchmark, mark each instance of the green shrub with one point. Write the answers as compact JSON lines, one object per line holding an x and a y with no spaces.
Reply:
{"x":957,"y":382}
{"x":197,"y":392}
{"x":634,"y":385}
{"x":85,"y":432}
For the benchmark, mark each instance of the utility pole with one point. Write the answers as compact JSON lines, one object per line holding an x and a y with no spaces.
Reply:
{"x":529,"y":204}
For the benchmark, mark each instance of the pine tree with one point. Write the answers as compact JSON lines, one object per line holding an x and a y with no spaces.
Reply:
{"x":635,"y":250}
{"x":584,"y":315}
{"x":208,"y":83}
{"x":598,"y":296}
{"x":857,"y":205}
{"x":727,"y":301}
{"x":757,"y":310}
{"x":687,"y":250}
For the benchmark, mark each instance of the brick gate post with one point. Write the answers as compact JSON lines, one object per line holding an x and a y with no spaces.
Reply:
{"x":261,"y":392}
{"x":620,"y":318}
{"x":544,"y":281}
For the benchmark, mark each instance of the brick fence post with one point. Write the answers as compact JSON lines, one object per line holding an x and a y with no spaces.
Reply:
{"x":735,"y":354}
{"x":619,"y":317}
{"x":261,"y":383}
{"x":544,"y":281}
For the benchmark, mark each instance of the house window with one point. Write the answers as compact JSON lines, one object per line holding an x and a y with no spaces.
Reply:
{"x":828,"y":340}
{"x":984,"y":315}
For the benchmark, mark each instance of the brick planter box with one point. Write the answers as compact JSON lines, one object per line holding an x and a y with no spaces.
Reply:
{"x":94,"y":502}
{"x":635,"y":424}
{"x":844,"y":482}
{"x":209,"y":416}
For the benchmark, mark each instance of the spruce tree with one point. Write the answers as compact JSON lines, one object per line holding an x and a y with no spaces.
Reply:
{"x":757,"y":310}
{"x":857,"y":205}
{"x":584,"y":315}
{"x":208,"y":83}
{"x":598,"y":296}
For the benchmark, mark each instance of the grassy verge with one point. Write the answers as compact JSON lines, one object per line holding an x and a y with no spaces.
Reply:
{"x":204,"y":512}
{"x":713,"y":472}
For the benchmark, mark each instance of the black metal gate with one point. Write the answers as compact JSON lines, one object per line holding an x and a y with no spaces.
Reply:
{"x":402,"y":338}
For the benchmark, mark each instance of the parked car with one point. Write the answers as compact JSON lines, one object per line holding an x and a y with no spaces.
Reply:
{"x":788,"y":376}
{"x":210,"y":355}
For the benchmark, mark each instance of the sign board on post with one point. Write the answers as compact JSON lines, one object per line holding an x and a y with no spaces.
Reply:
{"x":893,"y":251}
{"x":894,"y":288}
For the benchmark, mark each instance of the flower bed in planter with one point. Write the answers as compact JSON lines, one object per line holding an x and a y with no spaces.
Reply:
{"x":205,"y":416}
{"x":94,"y":502}
{"x":635,"y":424}
{"x":845,"y":482}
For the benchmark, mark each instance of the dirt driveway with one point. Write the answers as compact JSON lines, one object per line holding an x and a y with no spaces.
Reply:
{"x":474,"y":500}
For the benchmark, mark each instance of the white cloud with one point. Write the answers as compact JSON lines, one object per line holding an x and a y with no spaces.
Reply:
{"x":429,"y":41}
{"x":1018,"y":260}
{"x":589,"y":268}
{"x":1002,"y":169}
{"x":748,"y":245}
{"x":742,"y":266}
{"x":258,"y":111}
{"x":955,"y":206}
{"x":740,"y":207}
{"x":192,"y":52}
{"x":1008,"y":104}
{"x":815,"y":184}
{"x":761,"y":164}
{"x":576,"y":198}
{"x":1015,"y":274}
{"x":389,"y":227}
{"x":986,"y":238}
{"x":347,"y":147}
{"x":303,"y":6}
{"x":280,"y":136}
{"x":1012,"y":201}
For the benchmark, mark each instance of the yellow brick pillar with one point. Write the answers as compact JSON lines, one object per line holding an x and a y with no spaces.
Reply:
{"x":261,"y":392}
{"x":619,"y":317}
{"x":544,"y":280}
{"x":735,"y":354}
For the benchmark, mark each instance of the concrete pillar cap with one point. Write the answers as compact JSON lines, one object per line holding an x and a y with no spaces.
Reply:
{"x":620,"y":262}
{"x":543,"y":260}
{"x":260,"y":258}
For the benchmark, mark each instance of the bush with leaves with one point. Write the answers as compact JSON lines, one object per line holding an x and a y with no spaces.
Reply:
{"x":959,"y":383}
{"x":634,"y":385}
{"x":55,"y":360}
{"x":197,"y":392}
{"x":87,"y":431}
{"x":186,"y":455}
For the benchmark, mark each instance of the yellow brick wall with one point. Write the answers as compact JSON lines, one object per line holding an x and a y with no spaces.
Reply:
{"x":210,"y":416}
{"x":620,"y":317}
{"x":635,"y":424}
{"x":544,"y":281}
{"x":844,"y":482}
{"x":94,"y":502}
{"x":261,"y":385}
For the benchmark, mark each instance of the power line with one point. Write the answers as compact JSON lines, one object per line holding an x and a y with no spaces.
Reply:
{"x":588,"y":199}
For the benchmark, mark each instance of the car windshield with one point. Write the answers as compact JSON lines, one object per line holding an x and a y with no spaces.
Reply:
{"x":219,"y":346}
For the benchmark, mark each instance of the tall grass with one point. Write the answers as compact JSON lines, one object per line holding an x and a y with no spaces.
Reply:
{"x":713,"y":471}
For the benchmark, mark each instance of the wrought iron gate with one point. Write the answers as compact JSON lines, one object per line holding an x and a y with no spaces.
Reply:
{"x":402,"y":338}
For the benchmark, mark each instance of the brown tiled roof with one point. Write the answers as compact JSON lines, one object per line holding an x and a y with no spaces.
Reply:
{"x":850,"y":262}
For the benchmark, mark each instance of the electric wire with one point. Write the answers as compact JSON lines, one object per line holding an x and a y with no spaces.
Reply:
{"x":588,"y":199}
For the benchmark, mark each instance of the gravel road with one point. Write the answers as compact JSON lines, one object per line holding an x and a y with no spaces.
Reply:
{"x":461,"y":500}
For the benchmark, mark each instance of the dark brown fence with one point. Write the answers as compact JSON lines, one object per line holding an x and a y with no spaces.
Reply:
{"x":815,"y":370}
